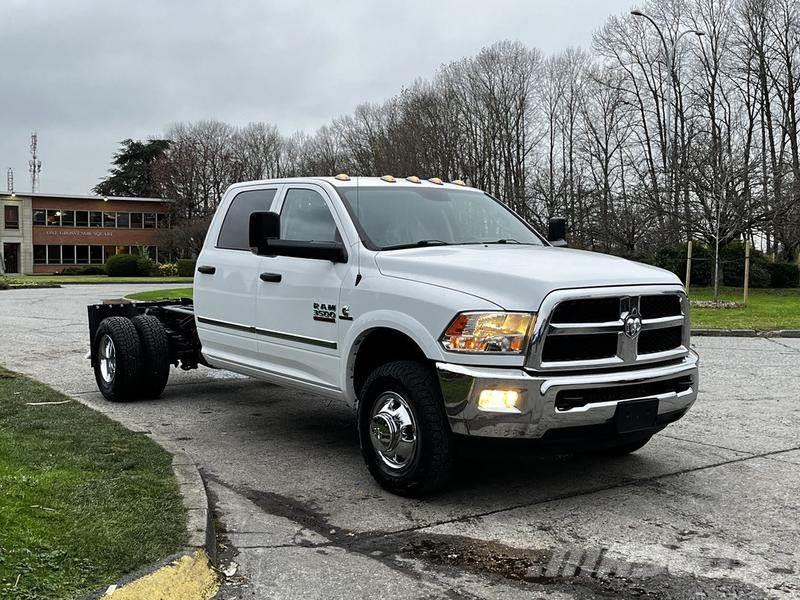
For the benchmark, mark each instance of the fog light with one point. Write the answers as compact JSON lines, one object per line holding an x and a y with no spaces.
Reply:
{"x":505,"y":401}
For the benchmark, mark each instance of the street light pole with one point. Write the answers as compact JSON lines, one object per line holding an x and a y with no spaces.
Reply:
{"x":669,"y":60}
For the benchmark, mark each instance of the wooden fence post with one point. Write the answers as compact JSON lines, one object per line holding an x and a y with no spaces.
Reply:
{"x":688,"y":265}
{"x":746,"y":270}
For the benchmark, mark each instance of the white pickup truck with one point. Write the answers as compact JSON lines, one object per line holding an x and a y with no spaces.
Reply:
{"x":430,"y":308}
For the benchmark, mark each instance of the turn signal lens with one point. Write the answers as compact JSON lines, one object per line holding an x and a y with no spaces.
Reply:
{"x":501,"y":332}
{"x":506,"y":401}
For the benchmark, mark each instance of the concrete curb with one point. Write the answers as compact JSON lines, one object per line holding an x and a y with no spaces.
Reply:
{"x":199,"y":516}
{"x":778,"y":333}
{"x":199,"y":519}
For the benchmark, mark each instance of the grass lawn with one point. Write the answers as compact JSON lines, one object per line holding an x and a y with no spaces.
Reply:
{"x":33,"y":280}
{"x":82,"y":499}
{"x":766,"y":309}
{"x":172,"y":293}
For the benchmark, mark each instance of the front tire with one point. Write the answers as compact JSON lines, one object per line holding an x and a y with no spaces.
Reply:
{"x":403,"y":430}
{"x":118,"y":359}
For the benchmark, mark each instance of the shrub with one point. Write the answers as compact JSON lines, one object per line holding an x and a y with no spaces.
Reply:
{"x":147,"y":267}
{"x":167,"y":269}
{"x":673,"y":258}
{"x":783,"y":274}
{"x":87,"y":270}
{"x":127,"y":265}
{"x":185,"y":267}
{"x":732,"y":266}
{"x":93,"y":270}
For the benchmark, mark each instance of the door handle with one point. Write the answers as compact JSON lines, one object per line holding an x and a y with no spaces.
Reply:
{"x":271,"y":277}
{"x":207,"y":270}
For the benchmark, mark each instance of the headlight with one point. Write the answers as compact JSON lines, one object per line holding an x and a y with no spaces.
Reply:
{"x":500,"y":332}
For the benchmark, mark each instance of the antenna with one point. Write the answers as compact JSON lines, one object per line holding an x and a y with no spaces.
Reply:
{"x":34,"y":164}
{"x":10,"y":179}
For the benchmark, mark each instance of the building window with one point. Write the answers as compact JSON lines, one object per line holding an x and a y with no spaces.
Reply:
{"x":11,"y":214}
{"x":68,"y":255}
{"x":53,"y":218}
{"x":68,"y":218}
{"x":81,"y":218}
{"x":136,"y":220}
{"x":123,"y":219}
{"x":54,"y":255}
{"x":95,"y":218}
{"x":39,"y":254}
{"x":39,"y":217}
{"x":96,"y":255}
{"x":82,"y":254}
{"x":149,"y":220}
{"x":109,"y":219}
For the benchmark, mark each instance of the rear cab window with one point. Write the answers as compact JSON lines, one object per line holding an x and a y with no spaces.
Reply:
{"x":235,"y":231}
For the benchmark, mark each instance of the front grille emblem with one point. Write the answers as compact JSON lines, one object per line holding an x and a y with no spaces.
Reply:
{"x":633,"y":324}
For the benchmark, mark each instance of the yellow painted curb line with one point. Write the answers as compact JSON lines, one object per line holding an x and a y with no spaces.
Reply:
{"x":191,"y":577}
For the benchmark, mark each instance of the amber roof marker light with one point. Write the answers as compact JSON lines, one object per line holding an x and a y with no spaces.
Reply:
{"x":388,"y":179}
{"x":413,"y":179}
{"x":343,"y":177}
{"x":460,"y":182}
{"x":436,"y":180}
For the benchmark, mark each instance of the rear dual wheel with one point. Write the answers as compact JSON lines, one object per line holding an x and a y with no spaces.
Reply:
{"x":131,"y":358}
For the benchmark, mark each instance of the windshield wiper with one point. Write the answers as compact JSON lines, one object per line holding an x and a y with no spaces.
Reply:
{"x":418,"y":244}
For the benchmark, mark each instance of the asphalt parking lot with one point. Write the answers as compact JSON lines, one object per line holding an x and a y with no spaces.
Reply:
{"x":708,"y":509}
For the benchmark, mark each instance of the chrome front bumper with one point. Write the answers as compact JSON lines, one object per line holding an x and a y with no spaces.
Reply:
{"x":461,"y":387}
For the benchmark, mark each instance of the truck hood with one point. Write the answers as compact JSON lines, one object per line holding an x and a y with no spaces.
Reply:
{"x":516,"y":277}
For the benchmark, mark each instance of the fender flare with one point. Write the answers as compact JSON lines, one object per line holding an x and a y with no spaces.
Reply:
{"x":382,"y":319}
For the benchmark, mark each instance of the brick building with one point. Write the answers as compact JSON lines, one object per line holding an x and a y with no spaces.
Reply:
{"x":45,"y":233}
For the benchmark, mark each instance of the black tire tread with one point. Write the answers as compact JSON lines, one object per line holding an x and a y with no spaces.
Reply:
{"x":436,"y":465}
{"x":155,"y":355}
{"x":128,"y":351}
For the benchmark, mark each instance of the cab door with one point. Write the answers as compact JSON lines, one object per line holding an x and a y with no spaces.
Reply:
{"x":226,"y":281}
{"x":297,"y":312}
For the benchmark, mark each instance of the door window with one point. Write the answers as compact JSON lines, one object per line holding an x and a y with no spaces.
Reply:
{"x":305,"y":217}
{"x":235,"y":232}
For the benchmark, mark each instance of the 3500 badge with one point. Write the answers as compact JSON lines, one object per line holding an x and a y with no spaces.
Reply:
{"x":325,"y":312}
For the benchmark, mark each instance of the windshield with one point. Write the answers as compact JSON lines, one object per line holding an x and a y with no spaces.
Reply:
{"x":405,"y":217}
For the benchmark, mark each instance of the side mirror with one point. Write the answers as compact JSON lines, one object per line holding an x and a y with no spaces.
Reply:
{"x":557,"y":232}
{"x":264,"y":225}
{"x":265,"y":232}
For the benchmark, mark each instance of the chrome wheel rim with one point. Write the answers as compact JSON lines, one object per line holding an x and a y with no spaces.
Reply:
{"x":108,"y":359}
{"x":393,"y":431}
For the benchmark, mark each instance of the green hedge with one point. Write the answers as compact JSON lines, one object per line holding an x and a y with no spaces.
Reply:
{"x":783,"y":274}
{"x":186,"y":267}
{"x":130,"y":265}
{"x":763,"y":273}
{"x":87,"y":270}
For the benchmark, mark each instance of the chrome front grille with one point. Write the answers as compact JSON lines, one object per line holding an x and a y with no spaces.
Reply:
{"x":610,"y":327}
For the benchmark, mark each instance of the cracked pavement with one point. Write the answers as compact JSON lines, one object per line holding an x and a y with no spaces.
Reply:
{"x":708,"y":509}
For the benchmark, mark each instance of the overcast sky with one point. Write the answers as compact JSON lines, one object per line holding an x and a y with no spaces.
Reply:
{"x":86,"y":74}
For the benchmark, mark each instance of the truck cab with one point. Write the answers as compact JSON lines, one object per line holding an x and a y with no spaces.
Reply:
{"x":435,"y":312}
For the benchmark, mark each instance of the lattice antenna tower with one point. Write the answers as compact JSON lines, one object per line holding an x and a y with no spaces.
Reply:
{"x":34,"y":164}
{"x":10,"y":180}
